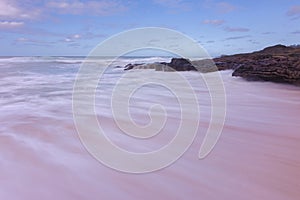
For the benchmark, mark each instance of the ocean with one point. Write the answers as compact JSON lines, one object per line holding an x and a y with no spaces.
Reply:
{"x":42,"y":155}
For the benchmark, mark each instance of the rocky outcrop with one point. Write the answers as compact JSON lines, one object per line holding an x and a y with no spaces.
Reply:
{"x":277,"y":64}
{"x":176,"y":64}
{"x":282,"y":70}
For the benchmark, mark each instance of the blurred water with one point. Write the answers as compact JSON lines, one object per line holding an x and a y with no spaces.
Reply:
{"x":41,"y":156}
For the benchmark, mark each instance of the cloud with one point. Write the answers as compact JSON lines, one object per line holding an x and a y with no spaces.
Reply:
{"x":295,"y":32}
{"x":237,"y":37}
{"x":10,"y":24}
{"x":34,"y":42}
{"x":76,"y":45}
{"x":72,"y":38}
{"x":81,"y":36}
{"x":294,"y":11}
{"x":77,"y":7}
{"x":21,"y":39}
{"x":68,"y":40}
{"x":11,"y":9}
{"x":76,"y":36}
{"x":236,"y":29}
{"x":253,"y":41}
{"x":214,"y":22}
{"x":8,"y":9}
{"x":221,"y":7}
{"x":34,"y":10}
{"x":224,"y":7}
{"x":179,"y":5}
{"x":168,"y":2}
{"x":268,"y":33}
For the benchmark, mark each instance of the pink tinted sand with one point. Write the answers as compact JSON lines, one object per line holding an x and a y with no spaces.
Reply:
{"x":257,"y":156}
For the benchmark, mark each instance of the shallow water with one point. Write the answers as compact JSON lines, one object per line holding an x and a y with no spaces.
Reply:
{"x":42,"y":157}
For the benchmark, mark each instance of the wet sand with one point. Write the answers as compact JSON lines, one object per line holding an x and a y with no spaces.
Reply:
{"x":257,"y":156}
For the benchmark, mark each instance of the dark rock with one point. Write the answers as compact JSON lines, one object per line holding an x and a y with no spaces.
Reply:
{"x":181,"y":64}
{"x":277,"y":64}
{"x":176,"y":64}
{"x":277,"y":49}
{"x":131,"y":66}
{"x":276,"y":72}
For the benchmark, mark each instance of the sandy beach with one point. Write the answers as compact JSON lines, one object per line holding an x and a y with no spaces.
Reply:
{"x":255,"y":158}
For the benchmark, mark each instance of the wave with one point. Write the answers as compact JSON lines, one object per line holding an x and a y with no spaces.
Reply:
{"x":121,"y":61}
{"x":31,"y":59}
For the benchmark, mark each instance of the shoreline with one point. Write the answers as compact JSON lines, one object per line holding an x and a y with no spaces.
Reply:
{"x":277,"y":63}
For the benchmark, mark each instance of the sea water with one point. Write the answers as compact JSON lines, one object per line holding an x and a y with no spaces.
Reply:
{"x":42,"y":157}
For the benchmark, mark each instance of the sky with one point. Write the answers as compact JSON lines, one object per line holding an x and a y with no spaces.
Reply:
{"x":75,"y":27}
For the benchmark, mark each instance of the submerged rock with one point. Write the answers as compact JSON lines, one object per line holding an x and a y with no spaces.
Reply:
{"x":177,"y":64}
{"x":131,"y":66}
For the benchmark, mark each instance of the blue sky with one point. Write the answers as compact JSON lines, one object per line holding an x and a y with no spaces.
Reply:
{"x":75,"y":27}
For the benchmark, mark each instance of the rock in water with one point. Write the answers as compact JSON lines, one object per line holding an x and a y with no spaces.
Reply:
{"x":181,"y":64}
{"x":176,"y":64}
{"x":277,"y":64}
{"x":131,"y":66}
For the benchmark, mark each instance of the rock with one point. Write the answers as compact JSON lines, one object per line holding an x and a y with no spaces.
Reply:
{"x":277,"y":49}
{"x":131,"y":66}
{"x":205,"y":65}
{"x":277,"y":64}
{"x":283,"y":72}
{"x":176,"y":64}
{"x":181,"y":64}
